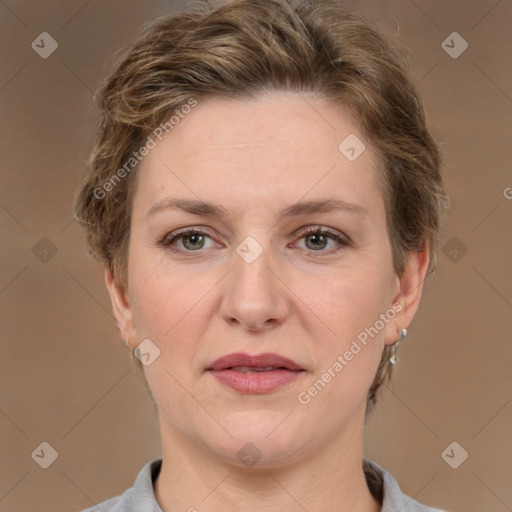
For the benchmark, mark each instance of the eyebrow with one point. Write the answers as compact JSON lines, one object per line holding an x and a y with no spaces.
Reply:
{"x":198,"y":207}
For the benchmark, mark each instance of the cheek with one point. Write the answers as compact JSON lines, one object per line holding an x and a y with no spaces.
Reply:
{"x":170,"y":308}
{"x":347,"y":301}
{"x":349,"y":307}
{"x":160,"y":295}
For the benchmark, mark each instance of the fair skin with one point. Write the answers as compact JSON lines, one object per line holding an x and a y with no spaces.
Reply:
{"x":303,"y":297}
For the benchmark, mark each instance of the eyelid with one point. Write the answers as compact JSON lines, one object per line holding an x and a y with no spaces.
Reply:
{"x":319,"y":228}
{"x":342,"y":239}
{"x":171,"y":237}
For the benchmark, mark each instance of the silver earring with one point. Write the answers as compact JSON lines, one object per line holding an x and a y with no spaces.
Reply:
{"x":402,"y":334}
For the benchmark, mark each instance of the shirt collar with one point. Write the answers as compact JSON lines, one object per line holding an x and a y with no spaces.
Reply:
{"x":141,"y":497}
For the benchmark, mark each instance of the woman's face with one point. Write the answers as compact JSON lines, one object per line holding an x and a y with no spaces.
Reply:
{"x":256,"y":283}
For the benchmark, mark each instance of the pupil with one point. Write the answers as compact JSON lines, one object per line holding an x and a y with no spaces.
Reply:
{"x":316,"y":237}
{"x":189,"y":237}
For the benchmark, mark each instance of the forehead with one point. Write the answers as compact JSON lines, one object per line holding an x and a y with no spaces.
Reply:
{"x":279,"y":148}
{"x":292,"y":120}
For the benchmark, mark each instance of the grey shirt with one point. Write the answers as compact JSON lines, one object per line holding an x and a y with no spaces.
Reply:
{"x":141,"y":497}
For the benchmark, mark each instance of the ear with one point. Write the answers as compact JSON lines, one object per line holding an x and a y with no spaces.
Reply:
{"x":122,"y":309}
{"x":409,"y":293}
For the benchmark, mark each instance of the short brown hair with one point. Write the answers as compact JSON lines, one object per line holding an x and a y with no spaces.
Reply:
{"x":241,"y":49}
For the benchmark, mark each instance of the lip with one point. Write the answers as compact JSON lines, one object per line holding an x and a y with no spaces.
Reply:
{"x":260,"y":360}
{"x":260,"y":382}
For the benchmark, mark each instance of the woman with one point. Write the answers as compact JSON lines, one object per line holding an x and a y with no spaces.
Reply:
{"x":266,"y":200}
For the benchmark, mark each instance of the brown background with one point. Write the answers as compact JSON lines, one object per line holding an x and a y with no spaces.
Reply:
{"x":67,"y":378}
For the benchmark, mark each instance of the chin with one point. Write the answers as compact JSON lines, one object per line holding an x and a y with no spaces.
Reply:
{"x":261,"y":439}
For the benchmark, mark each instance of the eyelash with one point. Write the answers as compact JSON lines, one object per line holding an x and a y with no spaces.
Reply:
{"x":344,"y":242}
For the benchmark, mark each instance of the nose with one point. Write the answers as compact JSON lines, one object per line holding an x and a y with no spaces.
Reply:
{"x":255,"y":295}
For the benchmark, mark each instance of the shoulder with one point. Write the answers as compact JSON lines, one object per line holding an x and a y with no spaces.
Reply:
{"x":384,"y":486}
{"x":138,"y":498}
{"x":110,"y":505}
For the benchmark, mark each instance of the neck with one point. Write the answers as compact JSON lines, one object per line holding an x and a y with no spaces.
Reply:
{"x":330,"y":479}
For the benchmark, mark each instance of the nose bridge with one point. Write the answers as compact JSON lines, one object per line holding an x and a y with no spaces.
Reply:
{"x":251,"y":267}
{"x":254,"y":295}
